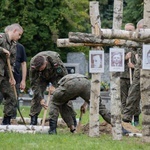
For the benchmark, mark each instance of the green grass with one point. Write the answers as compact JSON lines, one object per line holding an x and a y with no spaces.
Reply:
{"x":64,"y":140}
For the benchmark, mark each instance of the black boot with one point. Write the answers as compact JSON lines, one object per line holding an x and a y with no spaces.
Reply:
{"x":124,"y":131}
{"x":6,"y":120}
{"x":74,"y":121}
{"x":34,"y":120}
{"x":136,"y":120}
{"x":53,"y":126}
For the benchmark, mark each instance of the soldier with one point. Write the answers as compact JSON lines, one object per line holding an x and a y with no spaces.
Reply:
{"x":20,"y":63}
{"x":72,"y":86}
{"x":8,"y":49}
{"x":133,"y":99}
{"x":45,"y":67}
{"x":125,"y":76}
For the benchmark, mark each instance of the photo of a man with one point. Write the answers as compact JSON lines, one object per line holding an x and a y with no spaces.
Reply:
{"x":146,"y":57}
{"x":116,"y":62}
{"x":116,"y":59}
{"x":96,"y":61}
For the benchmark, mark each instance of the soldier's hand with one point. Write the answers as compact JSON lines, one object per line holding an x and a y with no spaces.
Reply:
{"x":6,"y":52}
{"x":12,"y":81}
{"x":130,"y":65}
{"x":128,"y":55}
{"x":83,"y":109}
{"x":51,"y":89}
{"x":42,"y":102}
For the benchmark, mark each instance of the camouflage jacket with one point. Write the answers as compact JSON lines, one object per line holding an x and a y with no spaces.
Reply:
{"x":70,"y":77}
{"x":53,"y":72}
{"x":11,"y":47}
{"x":126,"y":73}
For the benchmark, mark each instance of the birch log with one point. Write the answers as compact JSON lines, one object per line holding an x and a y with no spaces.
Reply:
{"x":78,"y":37}
{"x":115,"y":80}
{"x":142,"y":35}
{"x":23,"y":129}
{"x":18,"y":120}
{"x":145,"y":85}
{"x":95,"y":81}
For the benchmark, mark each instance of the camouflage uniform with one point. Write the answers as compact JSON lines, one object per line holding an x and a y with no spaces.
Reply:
{"x":53,"y":72}
{"x":133,"y":100}
{"x":5,"y":87}
{"x":72,"y":86}
{"x":125,"y":78}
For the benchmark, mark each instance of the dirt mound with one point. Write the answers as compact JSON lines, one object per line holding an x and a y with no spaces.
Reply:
{"x":104,"y":128}
{"x":130,"y":128}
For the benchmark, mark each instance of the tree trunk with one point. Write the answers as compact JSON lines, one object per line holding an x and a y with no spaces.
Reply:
{"x":78,"y":37}
{"x":95,"y":81}
{"x":115,"y":80}
{"x":145,"y":85}
{"x":24,"y":129}
{"x":67,"y":43}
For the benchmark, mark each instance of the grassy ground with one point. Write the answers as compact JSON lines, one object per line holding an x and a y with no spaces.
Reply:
{"x":64,"y":140}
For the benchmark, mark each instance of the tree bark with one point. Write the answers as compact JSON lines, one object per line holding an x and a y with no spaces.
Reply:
{"x":95,"y":81}
{"x":78,"y":37}
{"x":142,"y":35}
{"x":67,"y":43}
{"x":145,"y":85}
{"x":23,"y":129}
{"x":115,"y":80}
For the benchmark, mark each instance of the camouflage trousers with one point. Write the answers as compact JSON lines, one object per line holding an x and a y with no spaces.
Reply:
{"x":36,"y":106}
{"x":10,"y":101}
{"x":69,"y":90}
{"x":134,"y":97}
{"x":124,"y":88}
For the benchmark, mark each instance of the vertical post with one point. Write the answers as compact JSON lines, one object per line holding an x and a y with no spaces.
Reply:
{"x":95,"y":81}
{"x":144,"y":85}
{"x":115,"y":80}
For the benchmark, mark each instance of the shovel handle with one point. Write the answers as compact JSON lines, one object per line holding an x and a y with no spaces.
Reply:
{"x":130,"y":72}
{"x":14,"y":88}
{"x":45,"y":111}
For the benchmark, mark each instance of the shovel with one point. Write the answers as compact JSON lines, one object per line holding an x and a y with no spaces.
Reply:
{"x":14,"y":89}
{"x":79,"y":123}
{"x":45,"y":110}
{"x":130,"y":71}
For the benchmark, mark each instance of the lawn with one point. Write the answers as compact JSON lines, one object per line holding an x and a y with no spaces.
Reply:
{"x":64,"y":140}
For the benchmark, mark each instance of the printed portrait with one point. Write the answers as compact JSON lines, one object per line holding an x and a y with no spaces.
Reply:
{"x":96,"y":62}
{"x":116,"y":61}
{"x":146,"y":57}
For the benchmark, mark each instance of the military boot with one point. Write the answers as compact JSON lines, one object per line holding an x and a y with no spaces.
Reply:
{"x":53,"y":126}
{"x":34,"y":120}
{"x":6,"y":120}
{"x":74,"y":121}
{"x":136,"y":120}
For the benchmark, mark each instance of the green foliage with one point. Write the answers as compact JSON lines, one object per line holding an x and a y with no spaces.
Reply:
{"x":44,"y":21}
{"x":133,"y":11}
{"x":105,"y":86}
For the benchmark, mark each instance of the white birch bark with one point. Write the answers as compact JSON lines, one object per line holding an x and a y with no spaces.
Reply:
{"x":95,"y":81}
{"x":142,"y":35}
{"x":24,"y":129}
{"x":115,"y":80}
{"x":78,"y":37}
{"x":145,"y":88}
